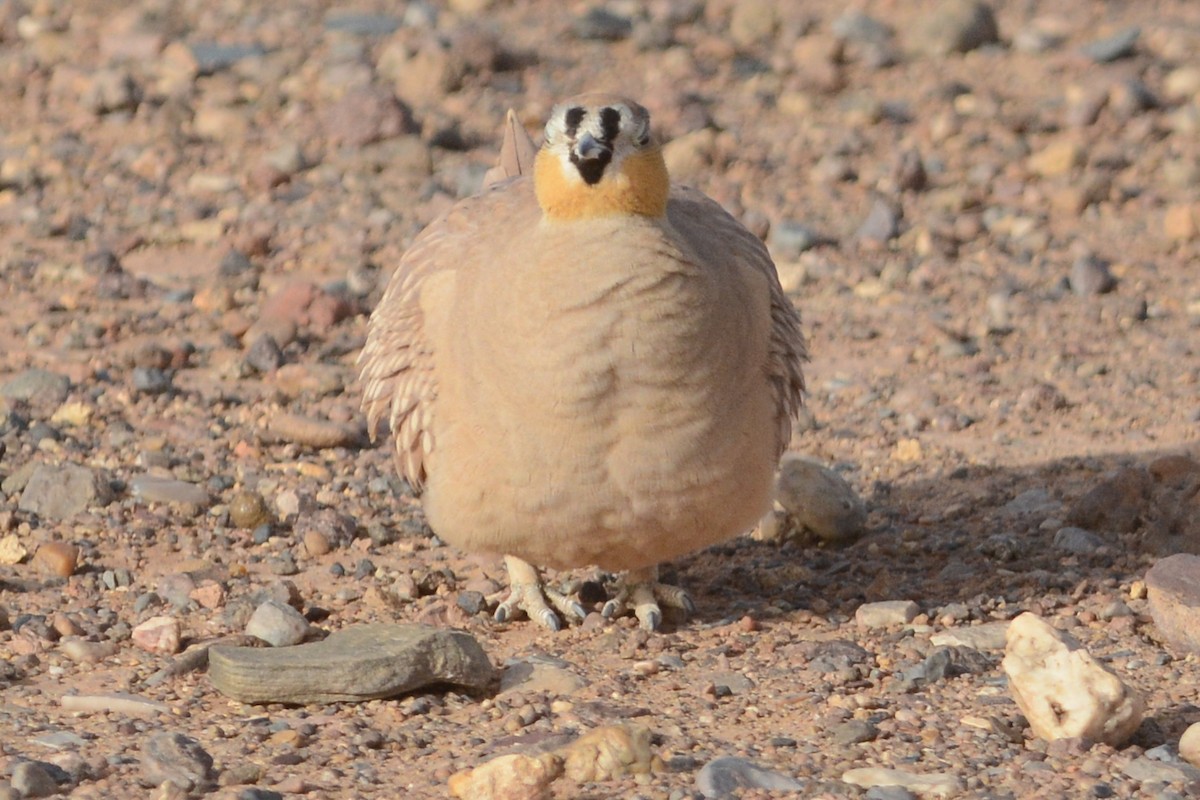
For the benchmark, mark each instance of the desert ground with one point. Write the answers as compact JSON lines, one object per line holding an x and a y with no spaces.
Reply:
{"x":988,"y":219}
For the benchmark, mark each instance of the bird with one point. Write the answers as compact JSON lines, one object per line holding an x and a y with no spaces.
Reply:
{"x":586,"y":364}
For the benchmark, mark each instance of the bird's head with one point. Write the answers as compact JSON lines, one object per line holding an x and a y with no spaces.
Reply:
{"x":600,"y":159}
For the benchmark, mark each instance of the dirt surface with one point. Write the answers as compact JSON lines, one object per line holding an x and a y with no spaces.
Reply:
{"x":994,"y":253}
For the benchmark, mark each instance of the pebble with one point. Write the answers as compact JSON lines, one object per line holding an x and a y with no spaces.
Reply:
{"x":151,"y":380}
{"x":820,"y":501}
{"x":790,"y":238}
{"x":886,"y":614}
{"x":56,"y":558}
{"x":160,"y":634}
{"x":854,"y":731}
{"x":264,"y":354}
{"x":988,"y":636}
{"x":211,"y":57}
{"x":933,"y":784}
{"x":1189,"y":745}
{"x":1147,"y":770}
{"x":881,"y":225}
{"x":62,"y":491}
{"x":540,"y":673}
{"x":116,"y":702}
{"x":155,"y":489}
{"x":1115,"y":505}
{"x":171,"y":757}
{"x":248,"y":510}
{"x":82,"y":651}
{"x":1078,"y":541}
{"x":723,"y":777}
{"x":1112,"y":48}
{"x":1062,"y":691}
{"x":32,"y":779}
{"x":362,"y":662}
{"x":277,"y":623}
{"x":1090,"y":276}
{"x":1173,"y":589}
{"x":600,"y":24}
{"x":12,"y":551}
{"x":360,"y":24}
{"x":954,"y":26}
{"x":1055,"y":159}
{"x":311,"y":432}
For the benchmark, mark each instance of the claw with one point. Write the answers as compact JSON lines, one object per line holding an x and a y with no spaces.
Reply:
{"x":642,"y":593}
{"x":526,"y":594}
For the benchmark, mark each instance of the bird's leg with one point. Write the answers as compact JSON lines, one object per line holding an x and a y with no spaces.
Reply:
{"x":526,"y":593}
{"x":641,"y":592}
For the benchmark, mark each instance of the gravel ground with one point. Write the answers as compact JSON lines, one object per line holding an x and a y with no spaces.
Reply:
{"x":991,"y":232}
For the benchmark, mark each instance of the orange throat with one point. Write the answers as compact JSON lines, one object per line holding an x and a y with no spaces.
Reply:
{"x":640,"y":186}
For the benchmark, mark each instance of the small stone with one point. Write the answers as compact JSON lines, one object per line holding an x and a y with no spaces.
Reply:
{"x":886,"y":614}
{"x":1173,"y":590}
{"x":12,"y":551}
{"x":62,"y":491}
{"x":1090,"y":276}
{"x":1150,"y":770}
{"x":722,"y":777}
{"x":881,"y":225}
{"x":821,"y":501}
{"x":115,"y":702}
{"x":154,"y":489}
{"x":56,"y":558}
{"x":366,"y":115}
{"x":790,"y":238}
{"x":608,"y":753}
{"x":934,"y":784}
{"x":37,"y":386}
{"x":170,"y":757}
{"x":600,"y":24}
{"x":855,"y":731}
{"x":316,"y":543}
{"x":1058,"y":158}
{"x":82,"y":651}
{"x":277,"y":623}
{"x":158,"y":635}
{"x":209,"y":594}
{"x":337,"y":529}
{"x":363,"y":662}
{"x":151,"y":380}
{"x":955,"y":26}
{"x":248,"y":510}
{"x":470,"y":602}
{"x":544,"y":674}
{"x":1189,"y":745}
{"x":311,"y":432}
{"x":753,"y":21}
{"x":1078,"y":541}
{"x":512,"y":777}
{"x":32,"y":779}
{"x":264,"y":355}
{"x":1112,"y":48}
{"x":1062,"y":690}
{"x":988,"y":636}
{"x":109,"y":90}
{"x":1181,"y":223}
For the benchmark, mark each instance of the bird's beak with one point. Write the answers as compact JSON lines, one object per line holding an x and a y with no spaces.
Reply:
{"x":589,"y":148}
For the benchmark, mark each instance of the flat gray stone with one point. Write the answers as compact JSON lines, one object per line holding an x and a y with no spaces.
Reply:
{"x":60,"y":491}
{"x":40,"y":385}
{"x":988,"y":636}
{"x":886,"y":613}
{"x":153,"y":489}
{"x":171,"y":757}
{"x":821,"y":501}
{"x":365,"y":662}
{"x":722,"y":777}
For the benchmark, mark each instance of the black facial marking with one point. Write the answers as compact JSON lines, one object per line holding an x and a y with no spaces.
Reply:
{"x":573,"y":118}
{"x":610,"y":123}
{"x":591,"y":169}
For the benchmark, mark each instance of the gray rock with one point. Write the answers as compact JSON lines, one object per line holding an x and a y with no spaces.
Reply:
{"x":364,"y":662}
{"x":171,"y":757}
{"x":1173,"y":587}
{"x":889,"y":793}
{"x":854,"y":731}
{"x":61,"y":491}
{"x":1112,"y":48}
{"x":1090,"y":276}
{"x":277,"y":623}
{"x":603,"y":25}
{"x":790,"y":238}
{"x":881,"y":225}
{"x":955,"y":26}
{"x":723,"y":777}
{"x":151,"y":380}
{"x":1031,"y":503}
{"x":1115,"y":505}
{"x":1077,"y":540}
{"x":360,"y":24}
{"x":264,"y":355}
{"x":32,"y":779}
{"x":988,"y":636}
{"x":153,"y":489}
{"x":540,"y":673}
{"x":820,"y":501}
{"x":855,"y":26}
{"x":38,"y":386}
{"x":213,"y":57}
{"x":1152,"y":770}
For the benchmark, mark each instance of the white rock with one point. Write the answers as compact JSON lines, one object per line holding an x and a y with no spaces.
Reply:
{"x":934,"y":784}
{"x":886,"y":613}
{"x":278,"y":624}
{"x":1062,"y":690}
{"x":1189,"y":745}
{"x":158,"y":635}
{"x":988,"y":636}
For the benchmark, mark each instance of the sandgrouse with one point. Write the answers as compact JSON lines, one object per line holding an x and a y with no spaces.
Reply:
{"x":585,"y":365}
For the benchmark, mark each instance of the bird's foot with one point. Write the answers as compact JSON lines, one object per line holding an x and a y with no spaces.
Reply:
{"x":641,"y":593}
{"x":526,"y":593}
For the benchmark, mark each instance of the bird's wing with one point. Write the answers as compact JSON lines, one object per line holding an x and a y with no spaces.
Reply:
{"x":713,"y":231}
{"x":516,"y":154}
{"x":397,"y":362}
